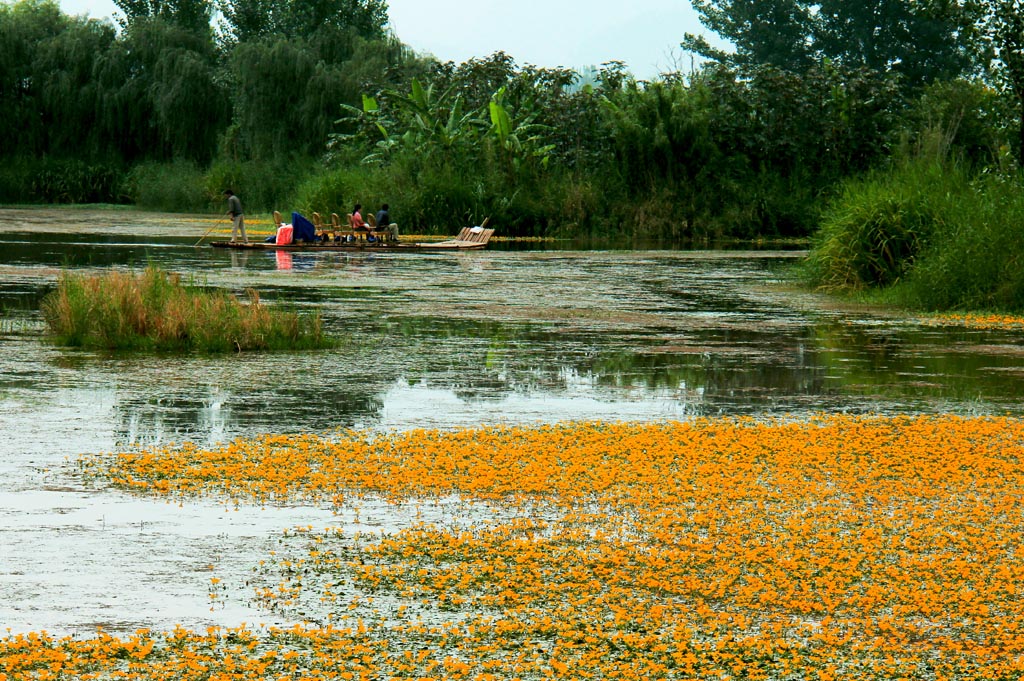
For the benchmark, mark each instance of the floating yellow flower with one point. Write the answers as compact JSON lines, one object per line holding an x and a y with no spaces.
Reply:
{"x":839,"y":547}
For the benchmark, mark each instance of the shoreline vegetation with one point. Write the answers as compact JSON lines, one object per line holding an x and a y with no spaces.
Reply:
{"x":165,"y":110}
{"x":925,"y":233}
{"x":801,"y":132}
{"x":154,"y":310}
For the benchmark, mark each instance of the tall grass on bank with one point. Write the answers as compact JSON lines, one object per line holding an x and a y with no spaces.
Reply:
{"x":154,"y":310}
{"x":872,"y":234}
{"x":182,"y":186}
{"x":977,"y":261}
{"x":49,"y":180}
{"x":927,"y":235}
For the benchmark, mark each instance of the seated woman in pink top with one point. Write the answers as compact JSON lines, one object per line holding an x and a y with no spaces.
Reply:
{"x":358,"y":224}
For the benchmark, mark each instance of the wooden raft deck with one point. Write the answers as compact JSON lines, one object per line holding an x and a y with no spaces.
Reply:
{"x":467,"y":238}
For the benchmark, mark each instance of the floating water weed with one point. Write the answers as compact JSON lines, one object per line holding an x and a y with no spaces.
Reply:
{"x":857,"y":547}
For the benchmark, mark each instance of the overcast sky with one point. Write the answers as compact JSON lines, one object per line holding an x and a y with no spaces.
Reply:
{"x":571,"y":33}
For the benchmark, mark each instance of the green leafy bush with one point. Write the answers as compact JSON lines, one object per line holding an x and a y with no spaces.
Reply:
{"x":974,"y":261}
{"x":261,"y":186}
{"x":873,"y":232}
{"x":28,"y":180}
{"x":171,"y":187}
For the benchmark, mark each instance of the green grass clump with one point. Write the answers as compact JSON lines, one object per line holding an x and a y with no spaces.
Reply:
{"x":974,"y":262}
{"x":928,"y":235}
{"x":153,"y":310}
{"x":873,"y":233}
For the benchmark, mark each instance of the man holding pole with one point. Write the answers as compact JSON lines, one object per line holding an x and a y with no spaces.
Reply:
{"x":237,"y":217}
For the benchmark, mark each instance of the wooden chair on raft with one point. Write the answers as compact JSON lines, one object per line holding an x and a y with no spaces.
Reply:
{"x":324,"y":231}
{"x":339,"y":230}
{"x":476,"y":235}
{"x":382,"y":232}
{"x":468,"y":237}
{"x":372,"y":222}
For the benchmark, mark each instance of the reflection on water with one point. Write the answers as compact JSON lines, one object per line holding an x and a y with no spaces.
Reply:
{"x":441,"y":340}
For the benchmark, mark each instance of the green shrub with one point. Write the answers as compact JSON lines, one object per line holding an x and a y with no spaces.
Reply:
{"x":261,"y":186}
{"x":47,"y":180}
{"x":154,"y":310}
{"x":926,"y":235}
{"x":873,"y":232}
{"x":182,"y":186}
{"x":171,"y":187}
{"x":337,"y":191}
{"x":425,"y":202}
{"x":974,"y":261}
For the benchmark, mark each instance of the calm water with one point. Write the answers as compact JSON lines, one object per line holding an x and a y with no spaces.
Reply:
{"x":431,"y":340}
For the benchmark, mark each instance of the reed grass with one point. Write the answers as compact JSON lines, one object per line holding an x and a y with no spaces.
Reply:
{"x":926,"y":234}
{"x":872,"y":234}
{"x":154,"y":310}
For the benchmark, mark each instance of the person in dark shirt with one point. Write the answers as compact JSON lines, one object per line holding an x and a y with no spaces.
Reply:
{"x":237,"y":216}
{"x":384,"y":223}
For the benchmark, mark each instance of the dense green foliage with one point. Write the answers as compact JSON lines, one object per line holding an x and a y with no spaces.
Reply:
{"x":1007,"y":26}
{"x":919,"y":41}
{"x":938,"y":228}
{"x":154,"y":310}
{"x":165,"y":89}
{"x":312,"y":105}
{"x":939,"y":237}
{"x":874,"y":231}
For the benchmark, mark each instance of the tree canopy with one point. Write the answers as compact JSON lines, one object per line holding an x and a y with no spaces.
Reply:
{"x":299,"y":19}
{"x":922,"y":40}
{"x":1007,"y":24}
{"x":192,"y":15}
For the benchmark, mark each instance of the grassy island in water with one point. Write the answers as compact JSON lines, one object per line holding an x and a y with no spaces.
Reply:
{"x":154,"y":310}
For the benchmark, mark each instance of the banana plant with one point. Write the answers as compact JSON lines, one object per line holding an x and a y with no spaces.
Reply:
{"x":429,"y":123}
{"x":433,"y":120}
{"x":367,"y":123}
{"x":422,"y":121}
{"x":521,"y":142}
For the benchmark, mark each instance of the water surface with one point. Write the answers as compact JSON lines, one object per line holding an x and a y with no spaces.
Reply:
{"x":507,"y":335}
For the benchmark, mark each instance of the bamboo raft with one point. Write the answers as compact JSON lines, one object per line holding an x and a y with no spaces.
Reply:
{"x":468,"y":239}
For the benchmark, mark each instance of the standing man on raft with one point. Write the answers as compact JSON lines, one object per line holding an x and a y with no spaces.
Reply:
{"x":237,"y":217}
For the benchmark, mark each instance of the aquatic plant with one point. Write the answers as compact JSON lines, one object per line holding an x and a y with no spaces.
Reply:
{"x":855,"y":547}
{"x":155,"y":310}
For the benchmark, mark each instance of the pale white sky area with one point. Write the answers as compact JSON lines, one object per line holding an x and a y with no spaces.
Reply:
{"x":571,"y":33}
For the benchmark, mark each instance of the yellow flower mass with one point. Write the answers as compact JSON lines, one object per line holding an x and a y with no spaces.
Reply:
{"x":839,"y":547}
{"x":976,"y":320}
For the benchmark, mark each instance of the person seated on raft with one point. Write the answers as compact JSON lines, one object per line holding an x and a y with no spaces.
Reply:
{"x":384,"y":223}
{"x":358,"y":224}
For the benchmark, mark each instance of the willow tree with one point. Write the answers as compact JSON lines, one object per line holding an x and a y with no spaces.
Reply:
{"x":191,"y":15}
{"x":48,"y":82}
{"x":294,"y":63}
{"x":163,"y":96}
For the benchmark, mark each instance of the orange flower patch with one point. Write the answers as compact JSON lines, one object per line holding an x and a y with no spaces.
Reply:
{"x":977,"y":321}
{"x":842,"y":547}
